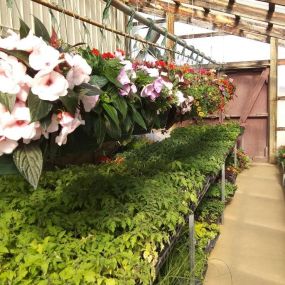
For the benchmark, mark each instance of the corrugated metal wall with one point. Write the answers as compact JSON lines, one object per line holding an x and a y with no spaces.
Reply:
{"x":69,"y":29}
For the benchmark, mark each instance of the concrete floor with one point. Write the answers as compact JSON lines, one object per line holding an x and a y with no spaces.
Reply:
{"x":251,"y":248}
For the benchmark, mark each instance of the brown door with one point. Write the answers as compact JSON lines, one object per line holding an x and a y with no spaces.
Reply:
{"x":250,"y":108}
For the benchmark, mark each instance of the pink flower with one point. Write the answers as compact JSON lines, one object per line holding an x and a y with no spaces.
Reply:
{"x":79,"y":71}
{"x":10,"y":42}
{"x":17,"y":125}
{"x":120,"y":54}
{"x":7,"y":146}
{"x":123,"y":77}
{"x":44,"y":58}
{"x":31,"y":43}
{"x":50,"y":86}
{"x":12,"y":73}
{"x":53,"y":126}
{"x":68,"y":124}
{"x":127,"y":89}
{"x":153,"y":90}
{"x":89,"y":102}
{"x":22,"y":95}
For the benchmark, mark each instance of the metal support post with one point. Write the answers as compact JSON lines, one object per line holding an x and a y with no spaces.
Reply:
{"x":192,"y":243}
{"x":223,"y":192}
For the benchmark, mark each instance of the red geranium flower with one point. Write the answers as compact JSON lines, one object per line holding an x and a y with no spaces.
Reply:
{"x":108,"y":55}
{"x":95,"y":51}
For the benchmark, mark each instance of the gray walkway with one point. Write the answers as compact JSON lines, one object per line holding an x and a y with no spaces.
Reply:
{"x":251,"y":248}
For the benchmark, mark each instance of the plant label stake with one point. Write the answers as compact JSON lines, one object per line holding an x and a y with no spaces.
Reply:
{"x":192,"y":248}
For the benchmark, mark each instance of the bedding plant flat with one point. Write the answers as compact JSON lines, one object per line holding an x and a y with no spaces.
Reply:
{"x":106,"y":224}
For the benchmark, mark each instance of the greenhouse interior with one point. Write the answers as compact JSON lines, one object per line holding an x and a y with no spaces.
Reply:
{"x":142,"y":142}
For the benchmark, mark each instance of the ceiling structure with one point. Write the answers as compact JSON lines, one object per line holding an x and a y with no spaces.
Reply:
{"x":253,"y":19}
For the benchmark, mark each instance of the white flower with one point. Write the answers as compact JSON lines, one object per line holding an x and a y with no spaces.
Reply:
{"x":12,"y":73}
{"x":79,"y":71}
{"x":180,"y":97}
{"x":31,"y":43}
{"x":44,"y":58}
{"x":168,"y":85}
{"x":50,"y":86}
{"x":10,"y":42}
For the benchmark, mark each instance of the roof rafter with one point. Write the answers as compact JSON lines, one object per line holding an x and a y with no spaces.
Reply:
{"x":202,"y":35}
{"x":241,"y":10}
{"x":277,"y":2}
{"x":218,"y":20}
{"x":209,"y":25}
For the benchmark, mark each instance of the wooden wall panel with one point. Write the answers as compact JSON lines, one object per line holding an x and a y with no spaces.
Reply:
{"x":69,"y":29}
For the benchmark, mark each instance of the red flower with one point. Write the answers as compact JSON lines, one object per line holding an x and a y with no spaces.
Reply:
{"x":108,"y":55}
{"x":161,"y":63}
{"x":95,"y":51}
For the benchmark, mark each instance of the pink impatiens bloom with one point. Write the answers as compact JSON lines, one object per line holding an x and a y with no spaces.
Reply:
{"x":50,"y":86}
{"x":79,"y":71}
{"x":17,"y":125}
{"x":89,"y":102}
{"x":123,"y":78}
{"x":128,"y":89}
{"x":153,"y":90}
{"x":68,"y":123}
{"x":7,"y":146}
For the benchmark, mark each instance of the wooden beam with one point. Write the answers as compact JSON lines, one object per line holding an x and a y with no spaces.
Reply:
{"x":278,"y":2}
{"x":281,"y":98}
{"x":241,"y":10}
{"x":170,"y":29}
{"x":211,"y":25}
{"x":232,"y":66}
{"x":202,"y":35}
{"x":272,"y":100}
{"x":160,"y":21}
{"x":218,"y":20}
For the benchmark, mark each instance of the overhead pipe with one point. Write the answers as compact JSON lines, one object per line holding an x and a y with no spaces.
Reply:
{"x":130,"y":12}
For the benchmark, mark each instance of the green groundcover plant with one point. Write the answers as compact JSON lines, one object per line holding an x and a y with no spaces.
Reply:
{"x":106,"y":224}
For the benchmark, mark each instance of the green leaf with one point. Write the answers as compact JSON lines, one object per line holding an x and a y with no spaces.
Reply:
{"x":128,"y":124}
{"x":38,"y":108}
{"x":110,"y":282}
{"x":100,"y":81}
{"x":3,"y":249}
{"x":70,"y":101}
{"x":121,"y":105}
{"x":21,"y":55}
{"x":113,"y":130}
{"x":7,"y":166}
{"x":99,"y":130}
{"x":88,"y":90}
{"x":29,"y":161}
{"x":111,"y":70}
{"x":40,"y":30}
{"x":112,"y":113}
{"x":8,"y":100}
{"x":137,"y":117}
{"x":24,"y":29}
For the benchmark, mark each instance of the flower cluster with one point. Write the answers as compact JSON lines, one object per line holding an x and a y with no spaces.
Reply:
{"x":41,"y":71}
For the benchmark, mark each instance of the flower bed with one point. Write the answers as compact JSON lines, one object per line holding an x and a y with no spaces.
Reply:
{"x":106,"y":224}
